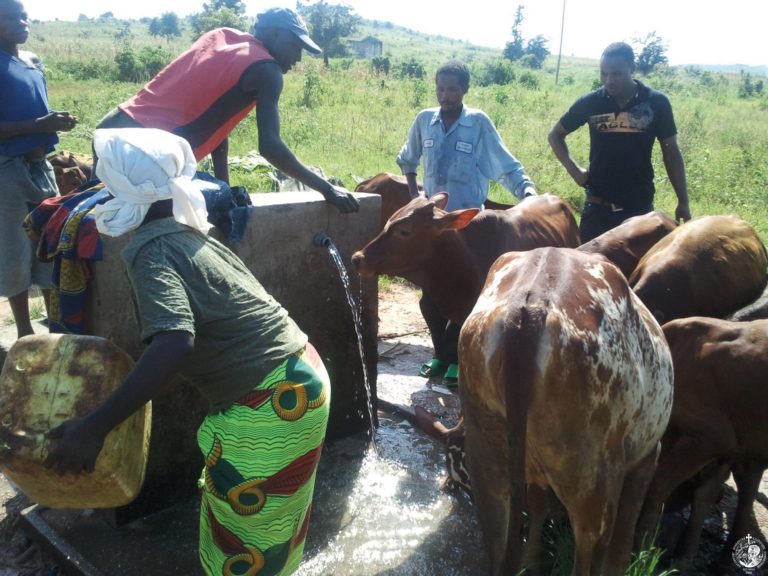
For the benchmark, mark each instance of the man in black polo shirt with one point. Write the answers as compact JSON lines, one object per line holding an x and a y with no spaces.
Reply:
{"x":625,"y":117}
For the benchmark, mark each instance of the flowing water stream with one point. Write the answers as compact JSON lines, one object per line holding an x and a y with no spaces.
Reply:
{"x":324,"y":241}
{"x":377,"y":508}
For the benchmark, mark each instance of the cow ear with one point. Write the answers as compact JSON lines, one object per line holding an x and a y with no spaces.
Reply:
{"x":460,"y":218}
{"x":440,"y":200}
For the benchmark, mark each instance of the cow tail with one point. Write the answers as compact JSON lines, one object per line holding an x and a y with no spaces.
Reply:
{"x":518,"y":372}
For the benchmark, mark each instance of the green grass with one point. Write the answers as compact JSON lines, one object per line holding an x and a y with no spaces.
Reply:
{"x":558,"y":548}
{"x":36,"y":310}
{"x":351,"y":122}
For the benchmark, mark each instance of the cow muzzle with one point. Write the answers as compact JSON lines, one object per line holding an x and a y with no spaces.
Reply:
{"x":360,"y":265}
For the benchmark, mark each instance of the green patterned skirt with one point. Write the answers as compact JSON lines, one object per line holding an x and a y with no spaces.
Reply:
{"x":261,"y":456}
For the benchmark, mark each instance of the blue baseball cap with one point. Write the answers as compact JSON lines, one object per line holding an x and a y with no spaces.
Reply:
{"x":290,"y":20}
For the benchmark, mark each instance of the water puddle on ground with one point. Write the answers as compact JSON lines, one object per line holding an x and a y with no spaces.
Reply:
{"x":380,"y":511}
{"x":377,"y":507}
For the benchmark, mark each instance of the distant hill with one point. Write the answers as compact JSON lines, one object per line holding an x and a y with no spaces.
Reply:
{"x":734,"y":69}
{"x":400,"y":42}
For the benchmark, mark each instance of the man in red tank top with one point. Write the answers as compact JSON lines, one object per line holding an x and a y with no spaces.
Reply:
{"x":206,"y":91}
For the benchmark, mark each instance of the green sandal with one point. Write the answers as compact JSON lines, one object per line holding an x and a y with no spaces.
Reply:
{"x":432,"y":369}
{"x":451,"y":376}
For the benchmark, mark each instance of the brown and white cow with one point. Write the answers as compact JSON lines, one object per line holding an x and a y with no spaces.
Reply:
{"x":448,"y":254}
{"x":394,"y":193}
{"x":718,"y":422}
{"x":709,"y":266}
{"x":628,"y":242}
{"x":566,"y":385}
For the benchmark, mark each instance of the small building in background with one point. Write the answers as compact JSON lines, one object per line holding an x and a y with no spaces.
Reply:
{"x":368,"y":47}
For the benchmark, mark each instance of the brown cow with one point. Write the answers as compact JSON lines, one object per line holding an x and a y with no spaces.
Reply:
{"x":68,"y":179}
{"x":709,"y":266}
{"x":70,"y":170}
{"x":718,"y":422}
{"x":448,"y":254}
{"x":628,"y":242}
{"x":566,"y":386}
{"x":394,"y":194}
{"x":392,"y":189}
{"x":755,"y":310}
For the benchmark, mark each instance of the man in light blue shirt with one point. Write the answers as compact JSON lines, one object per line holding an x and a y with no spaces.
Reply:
{"x":460,"y":147}
{"x":462,"y":151}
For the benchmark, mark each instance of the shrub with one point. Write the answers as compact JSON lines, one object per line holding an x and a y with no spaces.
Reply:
{"x":529,"y":80}
{"x":140,"y":67}
{"x":380,"y":64}
{"x":412,"y":68}
{"x":499,"y":72}
{"x":313,"y":90}
{"x":85,"y":70}
{"x":419,"y":95}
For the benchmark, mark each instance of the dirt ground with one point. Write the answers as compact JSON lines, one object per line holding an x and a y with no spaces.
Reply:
{"x":403,"y":345}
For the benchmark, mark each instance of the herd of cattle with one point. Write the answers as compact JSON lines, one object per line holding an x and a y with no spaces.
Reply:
{"x":608,"y":374}
{"x":569,"y":384}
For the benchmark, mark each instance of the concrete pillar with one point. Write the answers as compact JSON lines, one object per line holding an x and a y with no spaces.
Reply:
{"x":278,"y":248}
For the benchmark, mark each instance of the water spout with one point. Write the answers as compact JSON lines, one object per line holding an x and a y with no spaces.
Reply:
{"x":322,"y":240}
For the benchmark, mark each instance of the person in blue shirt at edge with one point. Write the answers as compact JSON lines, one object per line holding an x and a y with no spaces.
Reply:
{"x":625,"y":117}
{"x":28,"y":130}
{"x":462,"y":151}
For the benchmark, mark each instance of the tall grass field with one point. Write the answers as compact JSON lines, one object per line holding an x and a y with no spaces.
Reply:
{"x":351,"y":120}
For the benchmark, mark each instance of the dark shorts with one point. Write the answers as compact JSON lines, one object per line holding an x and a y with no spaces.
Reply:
{"x":599,"y":218}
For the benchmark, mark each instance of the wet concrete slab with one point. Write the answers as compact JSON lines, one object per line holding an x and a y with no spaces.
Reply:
{"x":377,"y":510}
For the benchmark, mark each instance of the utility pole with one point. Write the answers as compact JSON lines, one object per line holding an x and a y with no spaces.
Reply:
{"x":560,"y":50}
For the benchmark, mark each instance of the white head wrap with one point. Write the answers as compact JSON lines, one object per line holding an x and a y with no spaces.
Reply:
{"x":140,"y":166}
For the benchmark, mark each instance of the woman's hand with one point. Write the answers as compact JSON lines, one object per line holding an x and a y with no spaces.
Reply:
{"x":75,"y":448}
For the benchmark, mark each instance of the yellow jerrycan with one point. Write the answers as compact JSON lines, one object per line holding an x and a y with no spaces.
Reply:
{"x":50,"y":378}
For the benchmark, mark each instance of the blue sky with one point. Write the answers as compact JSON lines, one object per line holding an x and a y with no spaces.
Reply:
{"x":696,"y":31}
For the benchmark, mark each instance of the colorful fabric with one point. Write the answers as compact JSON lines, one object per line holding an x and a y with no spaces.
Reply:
{"x":65,"y":232}
{"x":261,"y":457}
{"x":198,"y":95}
{"x":228,"y":207}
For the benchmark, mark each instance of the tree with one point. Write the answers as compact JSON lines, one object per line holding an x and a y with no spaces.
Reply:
{"x":514,"y":50}
{"x":236,"y":6}
{"x":531,"y":54}
{"x":536,"y":51}
{"x":651,"y":52}
{"x":328,"y":25}
{"x":154,"y":27}
{"x":225,"y":17}
{"x":218,"y":14}
{"x":169,"y":25}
